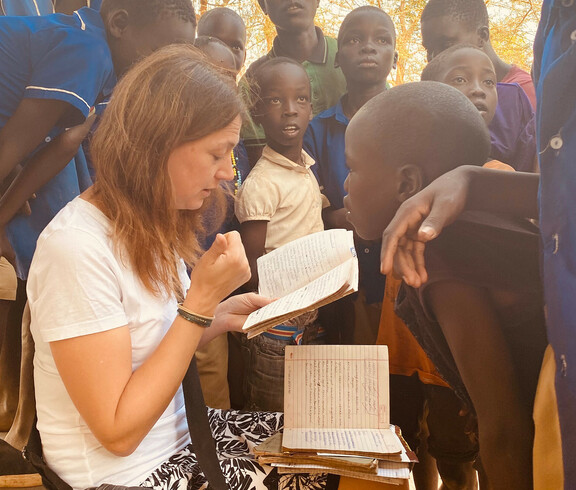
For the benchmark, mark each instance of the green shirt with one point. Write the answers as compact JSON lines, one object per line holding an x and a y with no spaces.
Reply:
{"x":327,"y":82}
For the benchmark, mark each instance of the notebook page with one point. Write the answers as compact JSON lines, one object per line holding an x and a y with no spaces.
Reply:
{"x":336,"y":386}
{"x":308,"y":295}
{"x":298,"y":263}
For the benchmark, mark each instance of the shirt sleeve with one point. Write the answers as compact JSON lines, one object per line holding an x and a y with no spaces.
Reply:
{"x":73,"y":286}
{"x":72,"y":68}
{"x":258,"y":198}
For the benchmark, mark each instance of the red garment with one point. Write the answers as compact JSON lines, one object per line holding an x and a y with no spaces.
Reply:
{"x":524,"y":79}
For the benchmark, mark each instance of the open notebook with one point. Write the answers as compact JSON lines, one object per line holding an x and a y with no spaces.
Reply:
{"x":302,"y":276}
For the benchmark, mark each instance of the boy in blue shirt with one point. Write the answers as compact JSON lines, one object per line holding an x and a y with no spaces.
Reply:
{"x":366,"y":54}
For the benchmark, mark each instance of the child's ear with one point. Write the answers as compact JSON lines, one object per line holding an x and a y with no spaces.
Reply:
{"x":409,"y":181}
{"x":118,"y":22}
{"x":395,"y":62}
{"x":483,"y":36}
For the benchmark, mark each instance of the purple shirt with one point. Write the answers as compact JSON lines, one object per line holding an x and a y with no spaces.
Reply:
{"x":513,"y":129}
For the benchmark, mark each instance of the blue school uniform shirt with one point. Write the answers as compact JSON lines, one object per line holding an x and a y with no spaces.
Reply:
{"x":63,"y":57}
{"x":324,"y":141}
{"x":513,"y":129}
{"x":554,"y":77}
{"x":26,"y":7}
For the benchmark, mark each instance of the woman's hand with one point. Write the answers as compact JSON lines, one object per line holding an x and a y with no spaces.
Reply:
{"x":220,"y":271}
{"x":419,"y":220}
{"x":231,"y":314}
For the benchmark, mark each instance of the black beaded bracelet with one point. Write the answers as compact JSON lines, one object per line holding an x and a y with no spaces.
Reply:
{"x":203,"y":321}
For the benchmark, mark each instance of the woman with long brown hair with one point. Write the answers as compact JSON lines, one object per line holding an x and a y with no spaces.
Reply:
{"x":115,"y":318}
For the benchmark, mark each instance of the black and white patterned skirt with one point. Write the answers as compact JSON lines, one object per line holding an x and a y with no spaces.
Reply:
{"x":236,"y":433}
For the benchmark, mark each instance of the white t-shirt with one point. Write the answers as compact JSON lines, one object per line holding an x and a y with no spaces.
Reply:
{"x":79,"y":286}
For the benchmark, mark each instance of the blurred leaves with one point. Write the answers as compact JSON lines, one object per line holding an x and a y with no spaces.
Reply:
{"x":513,"y":25}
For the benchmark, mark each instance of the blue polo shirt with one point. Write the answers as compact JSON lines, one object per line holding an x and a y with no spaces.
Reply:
{"x":554,"y":78}
{"x":324,"y":141}
{"x":26,"y":7}
{"x":63,"y":57}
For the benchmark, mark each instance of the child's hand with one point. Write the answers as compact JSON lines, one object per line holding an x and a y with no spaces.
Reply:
{"x":419,"y":220}
{"x":220,"y":271}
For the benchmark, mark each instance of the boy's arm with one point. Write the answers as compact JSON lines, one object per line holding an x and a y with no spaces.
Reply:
{"x":41,"y":168}
{"x":26,"y":129}
{"x":253,"y":235}
{"x":422,"y":217}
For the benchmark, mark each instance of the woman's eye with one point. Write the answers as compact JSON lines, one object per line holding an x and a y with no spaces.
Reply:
{"x":303,"y":98}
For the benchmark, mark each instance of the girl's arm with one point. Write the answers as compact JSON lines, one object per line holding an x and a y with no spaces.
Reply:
{"x":253,"y":235}
{"x":121,"y":405}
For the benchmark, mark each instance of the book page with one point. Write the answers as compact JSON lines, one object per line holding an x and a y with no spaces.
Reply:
{"x":308,"y":295}
{"x":298,"y":263}
{"x":336,"y":399}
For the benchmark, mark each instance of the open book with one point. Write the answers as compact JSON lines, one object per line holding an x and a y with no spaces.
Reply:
{"x":336,"y":400}
{"x":304,"y":274}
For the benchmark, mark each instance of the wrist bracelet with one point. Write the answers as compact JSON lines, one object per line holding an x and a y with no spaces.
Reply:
{"x":201,"y":320}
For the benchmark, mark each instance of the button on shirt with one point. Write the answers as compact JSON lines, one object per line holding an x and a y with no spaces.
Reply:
{"x":283,"y":193}
{"x":62,"y":57}
{"x":555,"y":75}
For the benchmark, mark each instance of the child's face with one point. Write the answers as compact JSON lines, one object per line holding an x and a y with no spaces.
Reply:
{"x":221,"y":56}
{"x":472,"y":73}
{"x":133,"y":43}
{"x":232,"y":33}
{"x":291,"y":16}
{"x":285,"y":108}
{"x":439,"y":33}
{"x":371,"y":199}
{"x":367,"y":48}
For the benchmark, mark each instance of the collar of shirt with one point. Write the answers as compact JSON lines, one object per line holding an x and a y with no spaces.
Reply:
{"x":319,"y":55}
{"x":336,"y":112}
{"x":281,"y":160}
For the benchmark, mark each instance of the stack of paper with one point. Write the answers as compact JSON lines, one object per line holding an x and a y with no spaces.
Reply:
{"x":336,"y":419}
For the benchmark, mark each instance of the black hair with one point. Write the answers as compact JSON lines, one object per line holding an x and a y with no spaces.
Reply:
{"x":437,"y":65}
{"x":428,"y":124}
{"x":144,"y":12}
{"x":366,"y":8}
{"x":213,"y":14}
{"x":256,"y":75}
{"x":472,"y":13}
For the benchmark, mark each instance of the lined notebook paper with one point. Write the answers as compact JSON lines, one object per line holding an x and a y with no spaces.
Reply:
{"x":336,"y":398}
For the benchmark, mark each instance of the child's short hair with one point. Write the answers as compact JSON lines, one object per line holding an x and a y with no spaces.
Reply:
{"x":472,"y":13}
{"x":212,"y":15}
{"x":146,"y":11}
{"x":429,"y":124}
{"x":365,"y":8}
{"x":257,"y":74}
{"x":437,"y":65}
